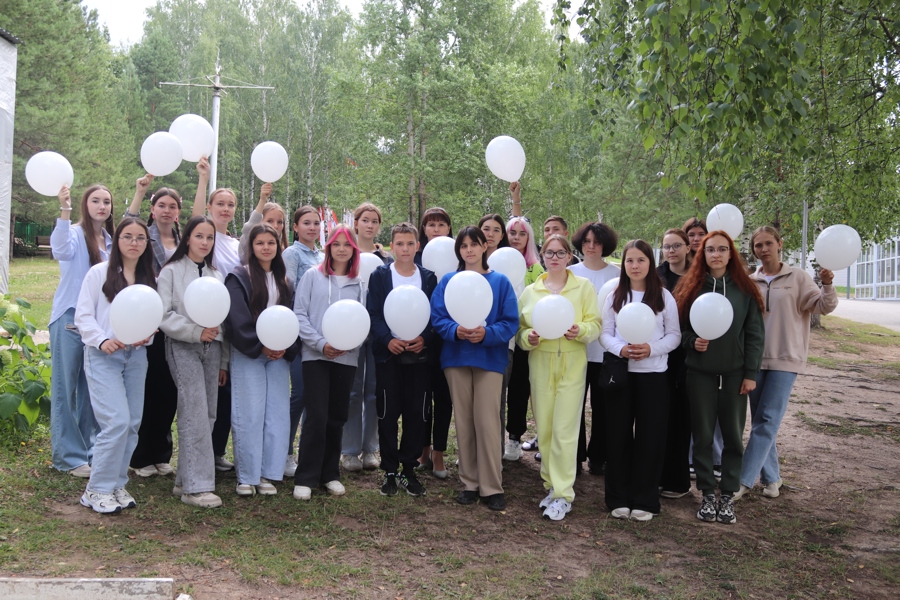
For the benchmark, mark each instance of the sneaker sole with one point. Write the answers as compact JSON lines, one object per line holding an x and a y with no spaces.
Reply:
{"x":707,"y":519}
{"x":724,"y":522}
{"x":271,"y":492}
{"x":203,"y":504}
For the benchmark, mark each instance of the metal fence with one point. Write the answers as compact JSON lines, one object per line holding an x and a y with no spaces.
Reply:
{"x":29,"y":231}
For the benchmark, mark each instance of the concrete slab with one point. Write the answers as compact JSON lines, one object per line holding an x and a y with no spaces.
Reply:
{"x":32,"y":588}
{"x":877,"y":312}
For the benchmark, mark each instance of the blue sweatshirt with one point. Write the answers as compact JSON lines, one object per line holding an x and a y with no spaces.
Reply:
{"x":502,"y":322}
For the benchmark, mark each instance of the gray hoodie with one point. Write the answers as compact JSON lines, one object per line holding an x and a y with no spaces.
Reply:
{"x":315,"y":293}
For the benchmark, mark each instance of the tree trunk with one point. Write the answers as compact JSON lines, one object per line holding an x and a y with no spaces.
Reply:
{"x":815,"y":320}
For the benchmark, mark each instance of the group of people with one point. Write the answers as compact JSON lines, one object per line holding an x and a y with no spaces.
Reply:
{"x":656,"y":407}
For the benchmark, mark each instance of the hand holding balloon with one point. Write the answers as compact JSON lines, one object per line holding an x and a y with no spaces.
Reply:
{"x":416,"y":345}
{"x":826,"y":276}
{"x":110,"y":346}
{"x":700,"y":345}
{"x":143,"y":184}
{"x":272,"y":354}
{"x":145,"y":341}
{"x":572,"y":333}
{"x":203,"y":168}
{"x":331,"y":352}
{"x":65,"y":199}
{"x":264,"y":192}
{"x":534,"y":338}
{"x":209,"y":334}
{"x":636,"y":351}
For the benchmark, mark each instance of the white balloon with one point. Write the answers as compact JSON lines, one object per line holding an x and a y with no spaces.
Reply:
{"x":161,"y":153}
{"x":135,"y":313}
{"x":510,"y":262}
{"x":553,"y":316}
{"x":368,"y":262}
{"x":277,"y":328}
{"x":711,"y":316}
{"x":505,"y":158}
{"x":727,"y":218}
{"x":468,"y":298}
{"x":206,"y":301}
{"x":635,"y":323}
{"x":838,"y":247}
{"x":605,"y":290}
{"x":440,"y":256}
{"x":346,"y":324}
{"x":406,"y":312}
{"x":48,"y":172}
{"x":196,"y":136}
{"x":269,"y":161}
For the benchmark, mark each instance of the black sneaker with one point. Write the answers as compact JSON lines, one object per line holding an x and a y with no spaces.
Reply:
{"x":389,"y":487}
{"x":467,"y":497}
{"x":726,"y":510}
{"x":495,"y":502}
{"x":411,"y":484}
{"x":707,"y":510}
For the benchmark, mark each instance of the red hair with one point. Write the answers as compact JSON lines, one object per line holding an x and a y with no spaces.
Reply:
{"x":326,"y":267}
{"x":691,"y":283}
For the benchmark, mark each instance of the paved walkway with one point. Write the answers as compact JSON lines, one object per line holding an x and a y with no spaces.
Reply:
{"x":877,"y":312}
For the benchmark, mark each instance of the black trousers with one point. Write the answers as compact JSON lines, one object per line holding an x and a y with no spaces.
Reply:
{"x":401,"y":391}
{"x":437,"y":426}
{"x":326,"y":400}
{"x":160,"y":403}
{"x":636,"y":423}
{"x":676,"y":476}
{"x":223,"y":419}
{"x":596,"y":449}
{"x":517,"y":394}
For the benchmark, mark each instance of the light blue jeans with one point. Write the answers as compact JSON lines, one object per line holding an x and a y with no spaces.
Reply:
{"x":116,"y":382}
{"x":768,"y":403}
{"x":361,"y":429}
{"x":72,"y":423}
{"x":260,"y":416}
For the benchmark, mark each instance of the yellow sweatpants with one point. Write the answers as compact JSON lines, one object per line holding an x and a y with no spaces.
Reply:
{"x":557,"y":399}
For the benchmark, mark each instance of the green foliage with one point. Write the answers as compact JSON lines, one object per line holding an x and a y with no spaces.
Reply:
{"x":24,"y":371}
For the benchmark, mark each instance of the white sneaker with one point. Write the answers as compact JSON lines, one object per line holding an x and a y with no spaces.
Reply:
{"x":301,"y":492}
{"x":641,"y":515}
{"x":83,"y":471}
{"x":124,"y":499}
{"x":621,"y":513}
{"x":744,"y":490}
{"x":164,"y":469}
{"x":558,"y":509}
{"x":772,"y":490}
{"x":177,"y":491}
{"x":513,"y":450}
{"x":370,"y":461}
{"x":202,"y":499}
{"x":148,"y":471}
{"x":546,"y":501}
{"x":245,"y":489}
{"x":290,"y":466}
{"x":351,"y":463}
{"x":335,"y":488}
{"x":265,"y":488}
{"x":223,"y":464}
{"x":101,"y":503}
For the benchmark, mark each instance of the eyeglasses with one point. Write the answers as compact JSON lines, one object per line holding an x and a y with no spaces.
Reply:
{"x":719,"y":250}
{"x":675,"y":247}
{"x":558,"y":254}
{"x":129,"y":239}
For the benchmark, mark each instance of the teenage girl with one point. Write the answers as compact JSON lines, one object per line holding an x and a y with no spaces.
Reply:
{"x":474,"y":361}
{"x":327,"y":372}
{"x":720,"y":372}
{"x":298,"y":258}
{"x":637,"y":414}
{"x":266,"y":212}
{"x":494,"y":229}
{"x":696,"y":230}
{"x":115,"y":371}
{"x":77,"y":248}
{"x":558,"y":371}
{"x":199,"y":363}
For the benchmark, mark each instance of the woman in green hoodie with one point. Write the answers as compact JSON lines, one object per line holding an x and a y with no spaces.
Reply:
{"x":720,"y":372}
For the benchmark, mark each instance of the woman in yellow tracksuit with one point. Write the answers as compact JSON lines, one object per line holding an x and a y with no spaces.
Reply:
{"x":557,"y":372}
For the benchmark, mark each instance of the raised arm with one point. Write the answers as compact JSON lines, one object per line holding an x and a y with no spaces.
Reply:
{"x":515,"y":189}
{"x":140,"y":190}
{"x":200,"y":197}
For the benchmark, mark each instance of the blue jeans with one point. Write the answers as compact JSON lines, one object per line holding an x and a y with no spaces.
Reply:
{"x":72,"y":423}
{"x":361,"y":428}
{"x":260,"y":416}
{"x":768,"y":403}
{"x":117,"y":395}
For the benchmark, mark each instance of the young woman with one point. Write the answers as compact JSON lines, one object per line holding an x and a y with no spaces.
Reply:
{"x":720,"y":372}
{"x":260,"y":376}
{"x":266,"y":212}
{"x":791,"y":297}
{"x":199,"y":363}
{"x":474,"y":361}
{"x":327,"y":372}
{"x":676,"y":477}
{"x":637,"y":415}
{"x":518,"y":391}
{"x":494,"y":229}
{"x":595,"y":241}
{"x":77,"y":248}
{"x":115,"y":371}
{"x":435,"y":223}
{"x":695,"y":229}
{"x":360,"y":440}
{"x":154,"y":448}
{"x":558,"y":372}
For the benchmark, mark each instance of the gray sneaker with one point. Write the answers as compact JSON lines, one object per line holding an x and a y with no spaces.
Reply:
{"x":708,"y":510}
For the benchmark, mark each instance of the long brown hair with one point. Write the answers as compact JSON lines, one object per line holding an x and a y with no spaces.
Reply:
{"x":115,"y":273}
{"x":162,"y":193}
{"x":90,"y":228}
{"x":692,"y":282}
{"x":653,"y":294}
{"x":259,"y":291}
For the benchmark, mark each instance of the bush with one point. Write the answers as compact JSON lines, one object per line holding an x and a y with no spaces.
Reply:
{"x":22,"y":249}
{"x":24,"y":372}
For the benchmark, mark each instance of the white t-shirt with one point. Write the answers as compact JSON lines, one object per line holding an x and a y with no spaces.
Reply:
{"x":397,"y":279}
{"x":598,"y":278}
{"x":169,"y":252}
{"x":341,"y":279}
{"x":226,"y":256}
{"x":666,"y":334}
{"x":769,"y":278}
{"x":271,"y":288}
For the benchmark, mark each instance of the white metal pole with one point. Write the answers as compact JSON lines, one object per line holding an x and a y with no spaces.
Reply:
{"x":213,"y":160}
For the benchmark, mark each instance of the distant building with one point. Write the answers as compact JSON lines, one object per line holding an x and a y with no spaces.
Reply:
{"x":8,"y":61}
{"x":878,"y":271}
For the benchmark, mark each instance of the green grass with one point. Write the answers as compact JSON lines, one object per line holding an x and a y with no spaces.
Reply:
{"x":848,"y":335}
{"x":35,"y":279}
